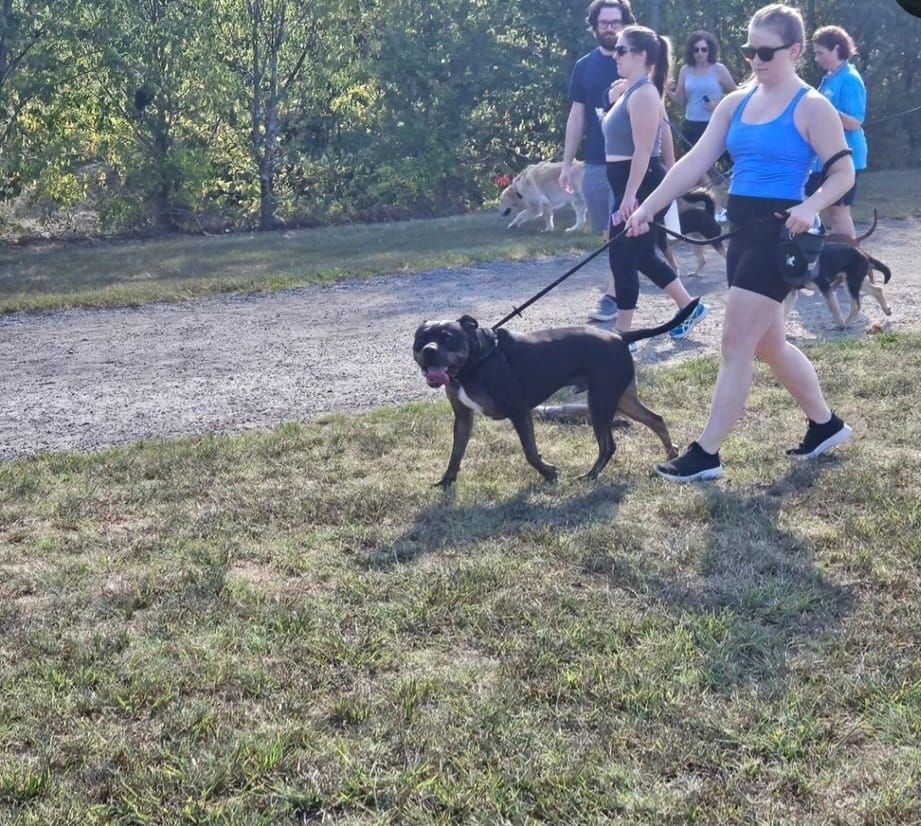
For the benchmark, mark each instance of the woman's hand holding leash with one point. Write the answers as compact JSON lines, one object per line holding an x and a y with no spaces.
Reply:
{"x":638,"y":221}
{"x":800,"y":218}
{"x":627,"y":208}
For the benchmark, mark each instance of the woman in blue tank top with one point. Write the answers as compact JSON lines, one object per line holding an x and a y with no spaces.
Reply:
{"x":773,"y":130}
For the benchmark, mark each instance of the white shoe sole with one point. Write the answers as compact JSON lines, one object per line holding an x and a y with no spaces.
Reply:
{"x":602,"y":316}
{"x":701,"y":476}
{"x":834,"y":440}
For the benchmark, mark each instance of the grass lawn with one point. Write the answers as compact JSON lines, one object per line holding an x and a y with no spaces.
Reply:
{"x":294,"y":627}
{"x":109,"y":273}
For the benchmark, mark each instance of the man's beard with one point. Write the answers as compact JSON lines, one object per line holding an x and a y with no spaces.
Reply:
{"x":607,"y":40}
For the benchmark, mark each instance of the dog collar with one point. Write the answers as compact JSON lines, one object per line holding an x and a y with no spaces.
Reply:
{"x":487,"y":352}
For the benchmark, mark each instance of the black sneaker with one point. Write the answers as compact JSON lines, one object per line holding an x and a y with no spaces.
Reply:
{"x":821,"y":437}
{"x":694,"y":465}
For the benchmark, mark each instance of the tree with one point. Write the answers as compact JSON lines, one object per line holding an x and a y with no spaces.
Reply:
{"x":272,"y":43}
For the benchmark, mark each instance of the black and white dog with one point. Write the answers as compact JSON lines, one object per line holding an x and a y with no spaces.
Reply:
{"x":504,"y":375}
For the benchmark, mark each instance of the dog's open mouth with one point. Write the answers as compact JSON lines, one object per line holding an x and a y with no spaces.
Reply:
{"x":436,"y":376}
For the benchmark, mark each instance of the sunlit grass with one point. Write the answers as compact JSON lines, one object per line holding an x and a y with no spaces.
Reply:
{"x":295,"y":627}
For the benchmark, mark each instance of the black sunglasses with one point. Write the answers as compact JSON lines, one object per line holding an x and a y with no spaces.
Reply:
{"x":622,"y":50}
{"x":765,"y":53}
{"x":701,"y":48}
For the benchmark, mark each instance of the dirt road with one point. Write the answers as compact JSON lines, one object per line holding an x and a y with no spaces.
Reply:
{"x":88,"y":379}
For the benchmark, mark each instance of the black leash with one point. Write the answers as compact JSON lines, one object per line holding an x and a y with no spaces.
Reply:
{"x":770,"y":217}
{"x":703,"y":242}
{"x":706,"y":241}
{"x":517,"y":310}
{"x":891,"y":117}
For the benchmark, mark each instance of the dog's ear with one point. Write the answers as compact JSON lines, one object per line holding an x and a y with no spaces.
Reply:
{"x":468,"y":322}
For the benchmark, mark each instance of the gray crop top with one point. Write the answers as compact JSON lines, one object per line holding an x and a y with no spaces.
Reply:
{"x":618,"y":132}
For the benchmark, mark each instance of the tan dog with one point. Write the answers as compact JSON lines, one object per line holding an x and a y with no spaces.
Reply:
{"x":536,"y":192}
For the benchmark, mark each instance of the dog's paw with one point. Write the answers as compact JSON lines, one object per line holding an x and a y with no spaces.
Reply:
{"x":549,"y":473}
{"x":445,"y":482}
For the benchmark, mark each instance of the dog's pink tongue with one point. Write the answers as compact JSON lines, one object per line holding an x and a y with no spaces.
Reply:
{"x":436,"y":376}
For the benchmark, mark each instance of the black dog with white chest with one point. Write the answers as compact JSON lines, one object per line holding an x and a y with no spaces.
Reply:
{"x":504,"y":375}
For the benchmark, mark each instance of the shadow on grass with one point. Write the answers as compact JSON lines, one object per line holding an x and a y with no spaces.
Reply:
{"x":756,"y":587}
{"x":444,"y":525}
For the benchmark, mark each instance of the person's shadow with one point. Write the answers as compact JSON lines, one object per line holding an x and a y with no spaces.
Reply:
{"x":757,"y":580}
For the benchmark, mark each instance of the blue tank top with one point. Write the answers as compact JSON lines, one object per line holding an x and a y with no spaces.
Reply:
{"x":770,"y":160}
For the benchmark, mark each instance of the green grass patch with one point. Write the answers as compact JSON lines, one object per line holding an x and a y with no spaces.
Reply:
{"x":113,"y":273}
{"x":295,"y":627}
{"x":175,"y":268}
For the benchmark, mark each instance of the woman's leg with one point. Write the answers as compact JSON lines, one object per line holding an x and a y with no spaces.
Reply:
{"x":841,"y":221}
{"x":794,"y":371}
{"x":748,"y":317}
{"x":677,"y":293}
{"x":622,"y":255}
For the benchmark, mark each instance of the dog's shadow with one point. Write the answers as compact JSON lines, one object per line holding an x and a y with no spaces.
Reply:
{"x":444,"y":525}
{"x":757,"y":581}
{"x":815,"y":316}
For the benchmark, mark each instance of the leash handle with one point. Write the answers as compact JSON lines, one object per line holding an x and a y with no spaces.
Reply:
{"x":517,"y":310}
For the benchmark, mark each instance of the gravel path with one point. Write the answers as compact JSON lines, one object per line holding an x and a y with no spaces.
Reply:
{"x":89,"y":379}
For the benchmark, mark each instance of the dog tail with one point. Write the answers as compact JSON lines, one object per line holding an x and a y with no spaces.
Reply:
{"x":699,"y":196}
{"x":879,"y":265}
{"x":680,"y":317}
{"x":870,"y":231}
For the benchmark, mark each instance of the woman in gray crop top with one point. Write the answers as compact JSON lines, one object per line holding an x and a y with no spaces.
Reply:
{"x":633,"y":146}
{"x":701,"y":84}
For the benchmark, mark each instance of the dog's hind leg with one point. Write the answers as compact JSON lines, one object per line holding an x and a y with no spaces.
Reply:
{"x":631,"y":406}
{"x":606,"y":445}
{"x":877,"y":292}
{"x":524,"y":427}
{"x":698,"y":251}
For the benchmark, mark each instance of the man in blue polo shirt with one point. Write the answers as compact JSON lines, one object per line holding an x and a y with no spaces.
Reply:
{"x":591,"y":79}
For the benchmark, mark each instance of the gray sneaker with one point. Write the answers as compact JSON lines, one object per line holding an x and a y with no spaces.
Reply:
{"x":606,"y":309}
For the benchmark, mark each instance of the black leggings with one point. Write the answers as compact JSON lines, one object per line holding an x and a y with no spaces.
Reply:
{"x":751,"y":261}
{"x":629,"y":256}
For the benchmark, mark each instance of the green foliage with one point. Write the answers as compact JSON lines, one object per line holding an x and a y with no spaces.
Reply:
{"x":239,"y":113}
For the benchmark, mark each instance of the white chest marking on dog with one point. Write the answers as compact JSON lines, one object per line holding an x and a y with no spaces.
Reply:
{"x":468,"y":402}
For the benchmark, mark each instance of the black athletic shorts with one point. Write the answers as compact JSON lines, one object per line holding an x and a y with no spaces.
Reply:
{"x":751,"y":261}
{"x":815,"y":181}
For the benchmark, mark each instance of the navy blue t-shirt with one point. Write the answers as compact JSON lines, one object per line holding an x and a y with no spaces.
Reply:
{"x":591,"y":77}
